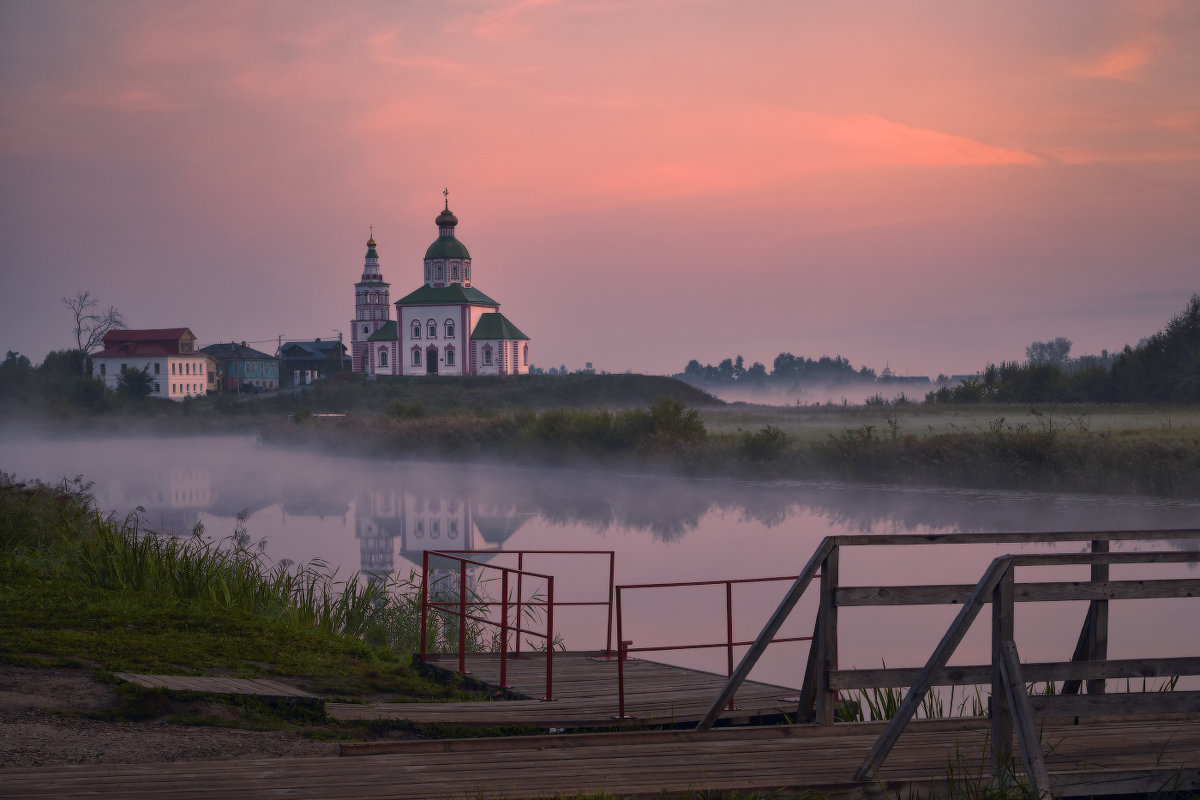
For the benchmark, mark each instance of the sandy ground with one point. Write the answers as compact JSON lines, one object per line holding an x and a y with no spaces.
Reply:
{"x":39,"y":726}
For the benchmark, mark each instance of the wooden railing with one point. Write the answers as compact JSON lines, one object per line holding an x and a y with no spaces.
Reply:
{"x":1089,"y":664}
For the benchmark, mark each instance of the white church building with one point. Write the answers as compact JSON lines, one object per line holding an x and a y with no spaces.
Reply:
{"x":445,"y":327}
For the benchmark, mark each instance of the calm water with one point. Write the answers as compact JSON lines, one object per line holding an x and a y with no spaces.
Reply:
{"x":379,"y":517}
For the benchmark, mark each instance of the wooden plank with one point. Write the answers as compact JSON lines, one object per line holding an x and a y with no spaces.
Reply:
{"x":1002,"y":631}
{"x":1097,"y":640}
{"x":1036,"y":672}
{"x":1032,"y":592}
{"x":1125,"y":703}
{"x":827,"y":640}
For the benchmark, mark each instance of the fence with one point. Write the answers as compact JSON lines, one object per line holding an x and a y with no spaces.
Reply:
{"x":465,"y":610}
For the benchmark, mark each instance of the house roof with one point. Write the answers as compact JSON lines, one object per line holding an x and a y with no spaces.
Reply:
{"x":235,"y":351}
{"x":125,"y":342}
{"x":496,"y":326}
{"x":385,"y":334}
{"x":311,"y":351}
{"x":454,"y":294}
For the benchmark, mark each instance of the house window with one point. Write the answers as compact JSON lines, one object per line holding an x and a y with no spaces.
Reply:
{"x":103,"y":370}
{"x":383,"y":358}
{"x":156,"y":369}
{"x":487,"y":356}
{"x":124,"y":367}
{"x":449,"y":356}
{"x":449,"y":329}
{"x":416,"y":330}
{"x":432,"y":329}
{"x":416,"y":357}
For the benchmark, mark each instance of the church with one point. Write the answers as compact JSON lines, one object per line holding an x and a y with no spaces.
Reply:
{"x":445,"y":327}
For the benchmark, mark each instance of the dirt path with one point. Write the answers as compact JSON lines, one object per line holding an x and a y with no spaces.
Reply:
{"x":39,"y":727}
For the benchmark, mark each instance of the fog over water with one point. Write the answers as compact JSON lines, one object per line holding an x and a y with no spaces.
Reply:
{"x":380,"y":516}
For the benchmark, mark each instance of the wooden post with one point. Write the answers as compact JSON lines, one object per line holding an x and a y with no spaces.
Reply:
{"x":1018,"y":703}
{"x":826,"y":642}
{"x":808,"y":689}
{"x":1098,"y":640}
{"x":1002,"y":721}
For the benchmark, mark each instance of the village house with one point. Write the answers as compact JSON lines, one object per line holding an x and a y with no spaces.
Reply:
{"x":168,"y":355}
{"x":240,"y":366}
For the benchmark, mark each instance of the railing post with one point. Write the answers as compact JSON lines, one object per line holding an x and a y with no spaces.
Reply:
{"x":1098,"y":635}
{"x":504,"y":629}
{"x":1002,"y":718}
{"x":729,"y":633}
{"x":520,"y":575}
{"x":827,"y":643}
{"x":462,"y":617}
{"x":550,"y":638}
{"x":612,"y":580}
{"x":620,"y":661}
{"x":424,"y":599}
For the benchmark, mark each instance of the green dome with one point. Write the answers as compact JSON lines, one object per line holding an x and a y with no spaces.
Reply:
{"x":447,"y":247}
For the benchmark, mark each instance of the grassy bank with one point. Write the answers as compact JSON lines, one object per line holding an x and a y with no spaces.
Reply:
{"x":1052,"y":450}
{"x":83,"y":589}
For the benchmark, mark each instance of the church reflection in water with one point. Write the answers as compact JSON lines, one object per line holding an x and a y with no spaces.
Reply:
{"x":394,"y":522}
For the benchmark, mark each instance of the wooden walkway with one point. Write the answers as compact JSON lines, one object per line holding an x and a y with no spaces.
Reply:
{"x":585,"y":696}
{"x":650,"y":764}
{"x":185,"y":683}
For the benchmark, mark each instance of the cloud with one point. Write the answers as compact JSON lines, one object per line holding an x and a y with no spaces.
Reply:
{"x":868,"y":139}
{"x":1124,"y":63}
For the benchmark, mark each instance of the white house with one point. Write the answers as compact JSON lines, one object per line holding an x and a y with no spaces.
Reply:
{"x":168,"y":355}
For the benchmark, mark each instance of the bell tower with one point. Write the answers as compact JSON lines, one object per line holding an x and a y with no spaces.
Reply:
{"x":372,"y":308}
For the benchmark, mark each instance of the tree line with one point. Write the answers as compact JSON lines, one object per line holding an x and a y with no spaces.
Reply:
{"x":1164,"y":368}
{"x":786,"y":371}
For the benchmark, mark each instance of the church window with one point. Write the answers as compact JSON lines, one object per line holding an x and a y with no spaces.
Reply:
{"x":449,"y":329}
{"x":435,"y":529}
{"x":487,"y":356}
{"x":454,"y":272}
{"x":416,"y":357}
{"x":432,"y":329}
{"x":364,"y":328}
{"x":420,"y":529}
{"x":449,"y":356}
{"x":453,"y":529}
{"x":525,"y":355}
{"x":416,"y":329}
{"x":383,"y":358}
{"x":441,"y":273}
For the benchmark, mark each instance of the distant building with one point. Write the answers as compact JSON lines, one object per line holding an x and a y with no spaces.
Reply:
{"x":168,"y":355}
{"x":445,"y":327}
{"x":238,"y":364}
{"x":306,"y":362}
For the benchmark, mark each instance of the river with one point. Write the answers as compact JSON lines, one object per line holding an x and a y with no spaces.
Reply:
{"x":378,"y":517}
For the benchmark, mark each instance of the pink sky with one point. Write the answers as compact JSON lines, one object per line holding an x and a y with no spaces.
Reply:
{"x":932,"y":185}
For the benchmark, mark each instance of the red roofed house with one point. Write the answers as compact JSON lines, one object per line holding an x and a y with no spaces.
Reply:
{"x":169,"y":355}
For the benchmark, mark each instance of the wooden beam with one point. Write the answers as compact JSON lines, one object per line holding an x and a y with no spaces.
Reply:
{"x":1034,"y":592}
{"x":1077,"y":705}
{"x":1022,"y":716}
{"x":1036,"y":672}
{"x":827,"y":642}
{"x":1002,"y":712}
{"x":1097,"y":642}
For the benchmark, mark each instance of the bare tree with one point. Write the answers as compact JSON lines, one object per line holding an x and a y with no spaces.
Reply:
{"x":90,"y":324}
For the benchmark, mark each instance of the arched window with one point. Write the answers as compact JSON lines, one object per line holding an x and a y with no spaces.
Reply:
{"x":487,"y":355}
{"x":383,"y":358}
{"x":454,"y":272}
{"x":525,"y":354}
{"x":416,"y":329}
{"x":441,"y":273}
{"x":449,"y":356}
{"x":416,"y":356}
{"x":449,"y":326}
{"x":432,"y":329}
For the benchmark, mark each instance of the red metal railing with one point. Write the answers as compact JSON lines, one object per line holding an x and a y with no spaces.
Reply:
{"x":459,"y":607}
{"x":624,"y":647}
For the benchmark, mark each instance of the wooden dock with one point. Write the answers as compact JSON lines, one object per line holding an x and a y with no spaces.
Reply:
{"x":1106,"y":757}
{"x":585,"y":695}
{"x":261,"y":687}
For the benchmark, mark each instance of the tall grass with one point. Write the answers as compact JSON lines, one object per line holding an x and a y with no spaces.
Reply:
{"x":62,"y":527}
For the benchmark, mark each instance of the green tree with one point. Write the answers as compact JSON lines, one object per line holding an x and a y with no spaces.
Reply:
{"x":136,"y":384}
